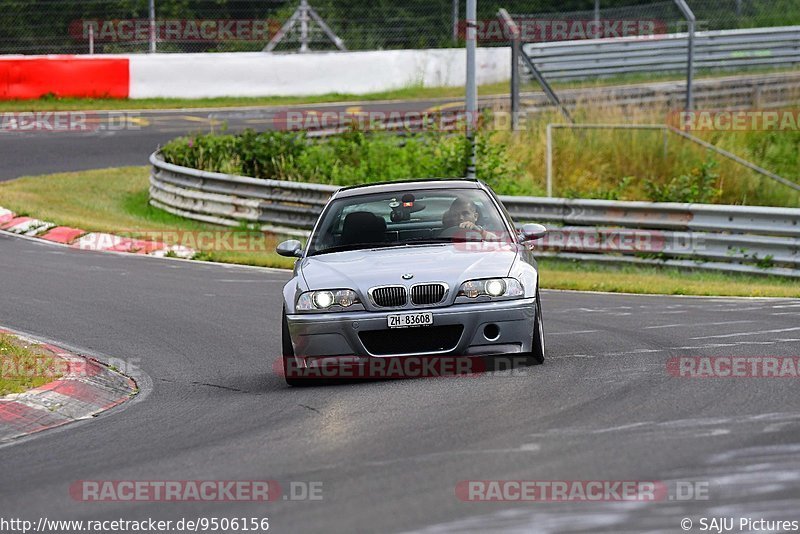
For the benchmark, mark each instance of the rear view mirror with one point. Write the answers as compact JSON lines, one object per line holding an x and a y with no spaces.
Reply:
{"x":290,"y":249}
{"x":531,"y":231}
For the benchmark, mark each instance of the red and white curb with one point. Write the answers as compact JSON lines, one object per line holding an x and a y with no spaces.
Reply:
{"x":83,"y":240}
{"x":86,"y":389}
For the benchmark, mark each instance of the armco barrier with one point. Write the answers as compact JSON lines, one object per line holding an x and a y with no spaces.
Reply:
{"x":718,"y":50}
{"x":759,"y":91}
{"x":727,"y":238}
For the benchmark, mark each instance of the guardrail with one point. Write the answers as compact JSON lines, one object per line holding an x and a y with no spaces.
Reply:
{"x":729,"y":92}
{"x":727,"y":238}
{"x":723,"y":49}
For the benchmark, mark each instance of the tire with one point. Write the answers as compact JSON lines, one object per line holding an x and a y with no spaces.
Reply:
{"x":289,"y":364}
{"x":536,"y":355}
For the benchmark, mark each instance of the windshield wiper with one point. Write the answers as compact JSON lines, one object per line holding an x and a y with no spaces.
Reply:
{"x":352,"y":246}
{"x":439,"y":241}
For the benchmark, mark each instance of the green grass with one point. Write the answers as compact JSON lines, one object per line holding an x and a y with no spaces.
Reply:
{"x":76,"y":104}
{"x":650,"y":165}
{"x":583,"y":276}
{"x":638,"y":165}
{"x":115,"y":200}
{"x":23,"y":366}
{"x":414,"y":92}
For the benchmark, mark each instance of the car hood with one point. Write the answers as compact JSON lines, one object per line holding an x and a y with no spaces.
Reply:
{"x":363,"y":269}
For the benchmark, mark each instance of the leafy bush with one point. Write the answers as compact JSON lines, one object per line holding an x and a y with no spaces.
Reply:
{"x":697,"y":186}
{"x":348,"y":159}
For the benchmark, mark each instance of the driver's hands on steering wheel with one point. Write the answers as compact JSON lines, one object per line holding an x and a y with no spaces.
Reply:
{"x":485,"y":234}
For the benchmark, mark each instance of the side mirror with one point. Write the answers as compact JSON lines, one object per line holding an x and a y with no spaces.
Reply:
{"x":531,"y":232}
{"x":291,"y":249}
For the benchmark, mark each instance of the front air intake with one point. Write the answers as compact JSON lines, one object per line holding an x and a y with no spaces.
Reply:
{"x":425,"y":294}
{"x":389,"y":297}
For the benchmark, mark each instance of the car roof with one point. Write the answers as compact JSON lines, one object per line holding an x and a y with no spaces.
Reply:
{"x":404,"y":185}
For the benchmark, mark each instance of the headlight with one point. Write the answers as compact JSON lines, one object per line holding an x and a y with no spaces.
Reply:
{"x":492,"y":287}
{"x":322,"y":300}
{"x":327,"y":300}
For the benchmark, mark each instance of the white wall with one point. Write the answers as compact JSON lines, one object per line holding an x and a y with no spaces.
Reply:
{"x":264,"y":74}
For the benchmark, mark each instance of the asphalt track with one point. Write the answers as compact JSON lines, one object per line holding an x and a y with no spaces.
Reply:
{"x":201,"y":341}
{"x":122,"y":138}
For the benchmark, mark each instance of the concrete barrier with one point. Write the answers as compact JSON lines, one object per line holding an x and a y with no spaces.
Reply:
{"x":244,"y":74}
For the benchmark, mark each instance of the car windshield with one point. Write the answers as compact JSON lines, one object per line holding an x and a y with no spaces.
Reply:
{"x":400,"y":218}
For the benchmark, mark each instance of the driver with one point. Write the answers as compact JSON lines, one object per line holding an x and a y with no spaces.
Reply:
{"x":464,"y":214}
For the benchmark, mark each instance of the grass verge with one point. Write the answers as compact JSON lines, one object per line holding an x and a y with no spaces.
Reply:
{"x":414,"y":92}
{"x":582,"y":276}
{"x":115,"y":200}
{"x":24,"y":367}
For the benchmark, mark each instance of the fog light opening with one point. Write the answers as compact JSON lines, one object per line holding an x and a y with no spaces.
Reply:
{"x":491,"y":332}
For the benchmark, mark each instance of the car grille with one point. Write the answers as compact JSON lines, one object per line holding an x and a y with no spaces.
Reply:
{"x":424,"y":340}
{"x":389,"y":297}
{"x":427,"y":293}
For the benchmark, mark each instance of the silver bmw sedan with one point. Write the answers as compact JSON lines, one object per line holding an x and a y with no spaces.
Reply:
{"x":401,"y":271}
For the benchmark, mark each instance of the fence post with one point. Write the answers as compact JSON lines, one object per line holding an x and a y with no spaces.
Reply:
{"x":472,"y":88}
{"x":690,"y":18}
{"x":516,"y":43}
{"x":152,"y":26}
{"x":597,"y":19}
{"x":455,"y":21}
{"x":549,"y":160}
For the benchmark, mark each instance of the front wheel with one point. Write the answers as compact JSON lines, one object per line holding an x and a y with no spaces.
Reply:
{"x":291,"y":371}
{"x":536,"y":355}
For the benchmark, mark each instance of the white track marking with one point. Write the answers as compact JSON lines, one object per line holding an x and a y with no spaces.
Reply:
{"x":569,"y":333}
{"x":743,"y":334}
{"x":690,"y":325}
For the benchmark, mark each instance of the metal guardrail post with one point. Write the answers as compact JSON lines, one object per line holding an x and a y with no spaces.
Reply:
{"x":455,"y":21}
{"x":546,"y":86}
{"x":690,"y":18}
{"x":304,"y":18}
{"x":516,"y":47}
{"x":152,"y":32}
{"x":472,"y":87}
{"x":549,"y":162}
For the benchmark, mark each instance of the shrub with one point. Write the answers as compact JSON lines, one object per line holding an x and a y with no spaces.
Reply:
{"x":351,"y":158}
{"x":697,"y":186}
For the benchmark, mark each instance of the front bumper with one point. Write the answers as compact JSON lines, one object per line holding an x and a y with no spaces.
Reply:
{"x":336,"y":335}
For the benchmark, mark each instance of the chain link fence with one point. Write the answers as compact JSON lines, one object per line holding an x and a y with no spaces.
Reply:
{"x":124,"y":26}
{"x":710,"y":14}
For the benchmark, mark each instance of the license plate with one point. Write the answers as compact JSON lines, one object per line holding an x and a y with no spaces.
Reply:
{"x":407,"y":320}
